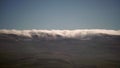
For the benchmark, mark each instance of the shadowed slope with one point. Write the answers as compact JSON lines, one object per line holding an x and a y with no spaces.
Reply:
{"x":99,"y":50}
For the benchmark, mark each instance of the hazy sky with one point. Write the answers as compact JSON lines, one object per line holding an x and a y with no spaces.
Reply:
{"x":59,"y":14}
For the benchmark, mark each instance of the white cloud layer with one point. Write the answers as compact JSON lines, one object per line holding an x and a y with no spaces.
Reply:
{"x":53,"y":34}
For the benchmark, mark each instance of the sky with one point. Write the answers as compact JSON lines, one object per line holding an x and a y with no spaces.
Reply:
{"x":60,"y":14}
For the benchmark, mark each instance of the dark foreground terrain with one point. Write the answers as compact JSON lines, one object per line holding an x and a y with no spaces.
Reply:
{"x":101,"y":52}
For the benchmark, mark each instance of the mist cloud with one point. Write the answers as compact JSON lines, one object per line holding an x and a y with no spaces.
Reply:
{"x":55,"y":34}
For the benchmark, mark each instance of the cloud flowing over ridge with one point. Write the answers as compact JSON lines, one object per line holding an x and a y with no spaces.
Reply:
{"x":60,"y":33}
